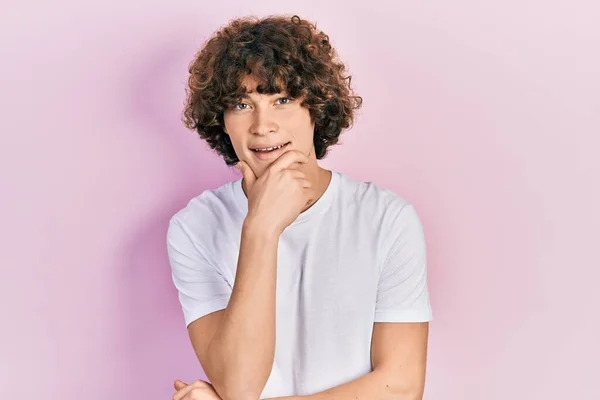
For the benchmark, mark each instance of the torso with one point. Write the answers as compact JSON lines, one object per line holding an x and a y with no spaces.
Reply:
{"x":329,"y":263}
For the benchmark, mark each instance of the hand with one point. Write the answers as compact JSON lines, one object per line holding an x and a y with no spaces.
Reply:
{"x":198,"y":390}
{"x":281,"y":193}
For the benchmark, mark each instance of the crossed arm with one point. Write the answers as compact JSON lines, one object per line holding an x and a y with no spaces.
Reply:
{"x":236,"y":345}
{"x":398,"y":354}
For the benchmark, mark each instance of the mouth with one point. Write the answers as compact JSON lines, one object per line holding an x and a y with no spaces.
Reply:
{"x":269,"y":149}
{"x":269,"y":153}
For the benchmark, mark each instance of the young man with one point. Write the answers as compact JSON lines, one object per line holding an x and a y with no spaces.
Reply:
{"x":295,"y":280}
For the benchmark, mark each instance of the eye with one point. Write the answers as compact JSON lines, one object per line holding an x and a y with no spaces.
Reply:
{"x":284,"y":100}
{"x":240,"y":106}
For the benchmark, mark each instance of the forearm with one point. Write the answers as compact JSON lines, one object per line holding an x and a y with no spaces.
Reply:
{"x":375,"y":385}
{"x":242,"y":350}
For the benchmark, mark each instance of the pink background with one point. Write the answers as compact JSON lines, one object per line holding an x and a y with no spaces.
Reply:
{"x":486,"y":117}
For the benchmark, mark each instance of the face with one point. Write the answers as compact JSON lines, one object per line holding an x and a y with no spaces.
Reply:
{"x":262,"y":127}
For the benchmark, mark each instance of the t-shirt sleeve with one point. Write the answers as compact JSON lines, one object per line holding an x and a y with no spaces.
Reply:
{"x":402,"y":294}
{"x":202,"y":289}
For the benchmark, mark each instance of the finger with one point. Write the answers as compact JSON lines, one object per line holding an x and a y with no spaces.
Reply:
{"x":294,"y":173}
{"x":288,"y":159}
{"x":296,"y":165}
{"x":306,"y":184}
{"x":181,"y":393}
{"x":249,"y":176}
{"x":178,"y":385}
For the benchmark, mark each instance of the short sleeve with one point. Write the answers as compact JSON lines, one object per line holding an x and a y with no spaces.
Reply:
{"x":402,"y":294}
{"x":202,"y":289}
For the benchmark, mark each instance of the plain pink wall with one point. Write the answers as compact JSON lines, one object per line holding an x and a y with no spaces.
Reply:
{"x":486,"y":117}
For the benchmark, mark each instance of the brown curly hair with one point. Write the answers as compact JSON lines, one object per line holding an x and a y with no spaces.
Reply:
{"x":282,"y":54}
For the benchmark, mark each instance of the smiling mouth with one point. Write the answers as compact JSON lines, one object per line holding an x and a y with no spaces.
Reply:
{"x":269,"y":149}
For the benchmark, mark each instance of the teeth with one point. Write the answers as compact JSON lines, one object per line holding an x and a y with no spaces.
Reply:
{"x":269,"y":148}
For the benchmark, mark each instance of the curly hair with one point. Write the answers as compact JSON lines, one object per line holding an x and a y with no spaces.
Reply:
{"x":283,"y":54}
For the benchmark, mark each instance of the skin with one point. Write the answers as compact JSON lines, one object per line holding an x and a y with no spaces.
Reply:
{"x":267,"y":120}
{"x":399,"y":357}
{"x":237,"y":357}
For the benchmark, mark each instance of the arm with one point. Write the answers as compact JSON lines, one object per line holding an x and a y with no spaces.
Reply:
{"x":400,"y":332}
{"x":402,"y":315}
{"x":399,"y":355}
{"x":235,"y":341}
{"x":236,"y":346}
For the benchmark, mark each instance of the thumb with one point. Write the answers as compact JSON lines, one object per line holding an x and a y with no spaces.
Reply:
{"x":248,"y":174}
{"x":179,"y":385}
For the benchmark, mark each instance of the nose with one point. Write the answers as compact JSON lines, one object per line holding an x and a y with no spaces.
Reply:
{"x":263,"y":122}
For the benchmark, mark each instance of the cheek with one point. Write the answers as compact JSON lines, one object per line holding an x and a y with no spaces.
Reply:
{"x":233,"y":127}
{"x":300,"y":125}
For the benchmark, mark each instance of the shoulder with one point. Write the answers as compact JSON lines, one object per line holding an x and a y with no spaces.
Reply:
{"x":370,"y":197}
{"x":389,"y":213}
{"x":207,"y":211}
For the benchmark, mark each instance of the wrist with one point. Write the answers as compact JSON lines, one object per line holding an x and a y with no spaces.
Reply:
{"x":255,"y":228}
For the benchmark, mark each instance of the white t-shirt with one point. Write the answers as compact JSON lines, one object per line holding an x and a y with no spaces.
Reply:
{"x":356,"y":257}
